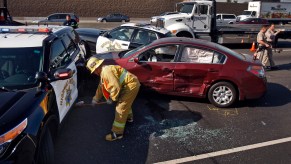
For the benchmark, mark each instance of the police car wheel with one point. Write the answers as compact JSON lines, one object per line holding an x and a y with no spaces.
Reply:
{"x":222,"y":94}
{"x":46,"y":148}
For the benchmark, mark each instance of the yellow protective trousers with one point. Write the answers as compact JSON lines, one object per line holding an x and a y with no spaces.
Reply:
{"x":124,"y":105}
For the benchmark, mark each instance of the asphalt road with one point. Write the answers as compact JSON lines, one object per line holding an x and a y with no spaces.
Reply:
{"x":168,"y":127}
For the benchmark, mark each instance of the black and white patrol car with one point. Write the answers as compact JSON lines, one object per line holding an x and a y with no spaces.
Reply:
{"x":129,"y":36}
{"x":38,"y":86}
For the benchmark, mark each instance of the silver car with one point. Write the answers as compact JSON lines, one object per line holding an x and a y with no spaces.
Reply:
{"x":224,"y":19}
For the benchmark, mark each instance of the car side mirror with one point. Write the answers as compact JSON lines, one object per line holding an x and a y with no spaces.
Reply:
{"x":41,"y":77}
{"x":62,"y":74}
{"x":136,"y":60}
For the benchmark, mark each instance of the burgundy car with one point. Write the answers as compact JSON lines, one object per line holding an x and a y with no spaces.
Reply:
{"x":260,"y":21}
{"x":194,"y":68}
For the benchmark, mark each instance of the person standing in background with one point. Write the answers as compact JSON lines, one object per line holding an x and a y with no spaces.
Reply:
{"x":271,"y":37}
{"x":263,"y":46}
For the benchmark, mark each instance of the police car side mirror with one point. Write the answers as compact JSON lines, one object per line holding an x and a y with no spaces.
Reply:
{"x":62,"y":74}
{"x":41,"y":77}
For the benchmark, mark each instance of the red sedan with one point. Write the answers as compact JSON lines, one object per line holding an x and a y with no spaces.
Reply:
{"x":259,"y":21}
{"x":194,"y":68}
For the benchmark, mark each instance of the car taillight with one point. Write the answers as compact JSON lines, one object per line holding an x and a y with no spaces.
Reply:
{"x":257,"y":70}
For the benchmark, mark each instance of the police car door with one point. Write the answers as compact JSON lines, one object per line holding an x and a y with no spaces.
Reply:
{"x":115,"y":40}
{"x":63,"y":56}
{"x":202,"y":17}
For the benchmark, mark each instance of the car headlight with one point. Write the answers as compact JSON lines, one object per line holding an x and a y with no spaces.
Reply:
{"x":99,"y":19}
{"x":6,"y":138}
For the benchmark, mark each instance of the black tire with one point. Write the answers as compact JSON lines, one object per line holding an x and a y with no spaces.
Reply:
{"x":123,"y":20}
{"x":46,"y":148}
{"x":222,"y":94}
{"x":104,"y":20}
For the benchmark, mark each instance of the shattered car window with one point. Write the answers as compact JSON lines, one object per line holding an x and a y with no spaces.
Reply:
{"x":195,"y":55}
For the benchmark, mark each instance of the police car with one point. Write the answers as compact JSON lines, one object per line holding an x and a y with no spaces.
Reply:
{"x":38,"y":86}
{"x":129,"y":36}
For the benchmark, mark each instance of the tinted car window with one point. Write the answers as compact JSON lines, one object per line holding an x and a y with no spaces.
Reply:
{"x":121,"y":34}
{"x":59,"y":56}
{"x":69,"y":44}
{"x":196,"y":55}
{"x":159,"y":54}
{"x":63,"y":16}
{"x":228,"y":17}
{"x":53,"y":17}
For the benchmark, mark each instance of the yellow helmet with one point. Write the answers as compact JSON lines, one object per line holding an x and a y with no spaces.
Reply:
{"x":93,"y":63}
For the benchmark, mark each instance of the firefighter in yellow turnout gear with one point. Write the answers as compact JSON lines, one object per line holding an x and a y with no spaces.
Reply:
{"x":119,"y":85}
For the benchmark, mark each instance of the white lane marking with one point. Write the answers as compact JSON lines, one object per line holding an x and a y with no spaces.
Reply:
{"x":227,"y":151}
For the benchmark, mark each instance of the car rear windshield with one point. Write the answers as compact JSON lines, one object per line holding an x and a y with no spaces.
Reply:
{"x":19,"y":65}
{"x":231,"y":52}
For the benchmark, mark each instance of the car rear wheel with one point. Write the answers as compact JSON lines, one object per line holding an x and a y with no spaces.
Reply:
{"x":222,"y":94}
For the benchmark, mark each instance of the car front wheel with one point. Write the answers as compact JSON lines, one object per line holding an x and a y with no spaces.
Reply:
{"x":222,"y":94}
{"x":46,"y":148}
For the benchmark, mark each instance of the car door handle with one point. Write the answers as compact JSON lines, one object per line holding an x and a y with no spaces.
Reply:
{"x":124,"y":44}
{"x":212,"y":70}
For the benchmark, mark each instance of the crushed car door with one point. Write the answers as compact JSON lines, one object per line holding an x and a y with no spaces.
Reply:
{"x":196,"y":68}
{"x":65,"y":90}
{"x":155,"y":68}
{"x":115,"y":40}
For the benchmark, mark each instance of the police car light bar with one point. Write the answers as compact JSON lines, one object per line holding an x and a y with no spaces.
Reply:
{"x":26,"y":30}
{"x":5,"y":30}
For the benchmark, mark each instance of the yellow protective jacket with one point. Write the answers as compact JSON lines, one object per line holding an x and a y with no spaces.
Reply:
{"x":113,"y":79}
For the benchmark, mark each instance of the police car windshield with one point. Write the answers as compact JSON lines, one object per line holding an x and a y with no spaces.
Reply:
{"x":18,"y":66}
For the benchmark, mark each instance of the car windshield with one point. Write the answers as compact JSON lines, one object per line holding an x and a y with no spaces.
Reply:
{"x":246,"y":13}
{"x":18,"y":66}
{"x":185,"y":7}
{"x":129,"y":53}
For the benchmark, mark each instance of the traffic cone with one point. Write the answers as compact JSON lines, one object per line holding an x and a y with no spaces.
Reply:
{"x":253,"y":49}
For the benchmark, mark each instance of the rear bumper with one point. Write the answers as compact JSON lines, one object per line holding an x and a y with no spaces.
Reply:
{"x":257,"y":90}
